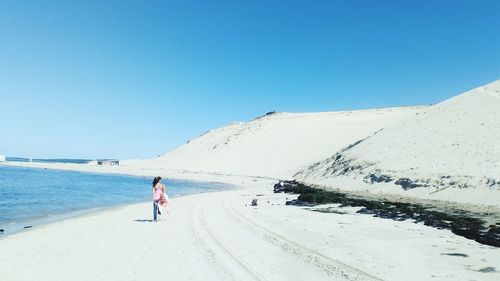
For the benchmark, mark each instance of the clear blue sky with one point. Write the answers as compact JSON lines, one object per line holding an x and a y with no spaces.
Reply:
{"x":134,"y":79}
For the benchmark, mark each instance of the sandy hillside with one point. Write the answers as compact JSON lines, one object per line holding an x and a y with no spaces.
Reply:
{"x":276,"y":145}
{"x":447,"y":151}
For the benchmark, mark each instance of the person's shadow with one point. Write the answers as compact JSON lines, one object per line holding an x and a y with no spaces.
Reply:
{"x":143,"y":220}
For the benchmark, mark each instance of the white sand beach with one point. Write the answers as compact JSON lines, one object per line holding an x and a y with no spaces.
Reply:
{"x":219,"y":236}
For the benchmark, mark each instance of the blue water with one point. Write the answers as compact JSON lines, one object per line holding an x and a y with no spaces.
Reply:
{"x":28,"y":195}
{"x":59,"y":160}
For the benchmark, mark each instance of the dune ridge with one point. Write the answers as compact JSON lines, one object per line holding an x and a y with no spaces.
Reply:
{"x":447,"y":151}
{"x":276,"y":144}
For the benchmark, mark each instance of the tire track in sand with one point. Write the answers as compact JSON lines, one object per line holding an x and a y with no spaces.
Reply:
{"x":332,"y":267}
{"x":231,"y":266}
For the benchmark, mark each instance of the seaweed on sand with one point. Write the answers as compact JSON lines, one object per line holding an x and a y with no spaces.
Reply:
{"x":458,"y":221}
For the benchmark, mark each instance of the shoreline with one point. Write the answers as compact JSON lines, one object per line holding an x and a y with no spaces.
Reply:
{"x":14,"y":227}
{"x":236,"y":182}
{"x":47,"y":220}
{"x":17,"y":227}
{"x":225,"y":238}
{"x":230,"y":179}
{"x":196,"y":176}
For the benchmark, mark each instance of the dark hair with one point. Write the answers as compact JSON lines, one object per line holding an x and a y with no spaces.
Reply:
{"x":156,"y":180}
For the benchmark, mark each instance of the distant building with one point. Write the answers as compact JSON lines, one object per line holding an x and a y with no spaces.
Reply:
{"x":2,"y":158}
{"x":108,"y":162}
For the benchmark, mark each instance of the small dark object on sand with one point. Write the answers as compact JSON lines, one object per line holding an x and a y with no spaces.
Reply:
{"x":456,"y":255}
{"x":254,"y":202}
{"x":28,"y":226}
{"x":487,"y":269}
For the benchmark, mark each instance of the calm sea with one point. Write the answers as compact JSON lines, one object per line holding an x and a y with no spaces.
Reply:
{"x":31,"y":196}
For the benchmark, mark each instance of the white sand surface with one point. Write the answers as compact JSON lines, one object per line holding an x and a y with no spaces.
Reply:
{"x":275,"y":145}
{"x":451,"y":149}
{"x":219,"y":236}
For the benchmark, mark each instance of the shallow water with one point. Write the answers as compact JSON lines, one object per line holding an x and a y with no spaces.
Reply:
{"x":30,"y":195}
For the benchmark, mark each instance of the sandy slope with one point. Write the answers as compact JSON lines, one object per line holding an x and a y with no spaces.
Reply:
{"x":451,"y":149}
{"x":275,"y":145}
{"x":217,"y":236}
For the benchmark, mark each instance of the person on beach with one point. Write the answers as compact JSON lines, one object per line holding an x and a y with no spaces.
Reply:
{"x":157,"y":192}
{"x":160,"y":198}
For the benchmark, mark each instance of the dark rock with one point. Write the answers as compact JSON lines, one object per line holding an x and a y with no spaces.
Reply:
{"x":379,"y":178}
{"x":384,"y":214}
{"x":435,"y":222}
{"x":406,"y":183}
{"x":285,"y":186}
{"x":491,"y":237}
{"x":467,"y":230}
{"x":487,"y":269}
{"x":277,"y":188}
{"x":366,"y":211}
{"x":460,"y":222}
{"x":491,"y":182}
{"x":254,"y":202}
{"x":296,"y":202}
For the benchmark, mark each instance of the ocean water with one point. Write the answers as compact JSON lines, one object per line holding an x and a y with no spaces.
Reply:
{"x":30,"y":196}
{"x":60,"y":160}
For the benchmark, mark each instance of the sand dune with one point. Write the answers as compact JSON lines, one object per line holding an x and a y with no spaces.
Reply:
{"x":447,"y":151}
{"x":275,"y":145}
